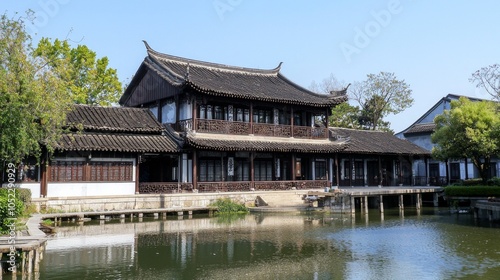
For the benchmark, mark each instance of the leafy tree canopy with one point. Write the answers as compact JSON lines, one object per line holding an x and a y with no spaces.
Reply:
{"x":89,"y":79}
{"x":33,"y":101}
{"x":379,"y":95}
{"x":39,"y":85}
{"x":468,"y":130}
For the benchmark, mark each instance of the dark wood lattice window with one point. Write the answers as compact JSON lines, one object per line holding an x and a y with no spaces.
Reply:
{"x":67,"y":171}
{"x":320,"y":169}
{"x":210,"y":170}
{"x":263,"y":170}
{"x":111,"y":171}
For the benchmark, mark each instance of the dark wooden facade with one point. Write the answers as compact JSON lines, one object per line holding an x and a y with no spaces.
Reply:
{"x":250,"y":129}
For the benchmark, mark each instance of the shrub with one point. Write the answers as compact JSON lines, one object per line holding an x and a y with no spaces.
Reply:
{"x":11,"y":207}
{"x":226,"y":205}
{"x":495,"y":181}
{"x":475,"y":191}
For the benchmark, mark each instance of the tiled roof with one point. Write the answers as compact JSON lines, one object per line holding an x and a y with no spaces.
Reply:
{"x":376,"y":142}
{"x":235,"y":82}
{"x":113,"y":119}
{"x":421,"y":128}
{"x":114,"y":142}
{"x":262,"y":144}
{"x":116,"y":129}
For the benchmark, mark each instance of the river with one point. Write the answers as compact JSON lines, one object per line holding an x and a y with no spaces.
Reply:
{"x":430,"y":244}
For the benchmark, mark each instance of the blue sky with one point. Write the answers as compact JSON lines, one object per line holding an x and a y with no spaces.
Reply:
{"x":434,"y":46}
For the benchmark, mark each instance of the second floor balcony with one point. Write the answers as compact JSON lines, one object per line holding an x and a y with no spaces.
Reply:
{"x":249,"y":128}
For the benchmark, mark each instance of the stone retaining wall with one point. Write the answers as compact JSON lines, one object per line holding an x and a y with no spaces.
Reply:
{"x":149,"y":201}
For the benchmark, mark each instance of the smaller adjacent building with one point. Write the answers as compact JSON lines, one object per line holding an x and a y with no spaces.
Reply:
{"x":440,"y":173}
{"x":99,"y":155}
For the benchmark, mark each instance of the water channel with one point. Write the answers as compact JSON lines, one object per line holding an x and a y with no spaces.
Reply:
{"x":429,"y":244}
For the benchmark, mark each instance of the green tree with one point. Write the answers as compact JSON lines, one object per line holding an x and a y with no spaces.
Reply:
{"x":379,"y":95}
{"x":33,"y":101}
{"x":366,"y":120}
{"x":345,"y":115}
{"x":489,"y":79}
{"x":468,"y":130}
{"x":89,"y":80}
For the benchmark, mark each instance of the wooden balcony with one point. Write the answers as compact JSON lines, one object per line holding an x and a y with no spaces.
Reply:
{"x":258,"y":129}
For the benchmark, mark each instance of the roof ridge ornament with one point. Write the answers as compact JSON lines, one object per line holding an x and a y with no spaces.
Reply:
{"x":148,"y":48}
{"x":340,"y":92}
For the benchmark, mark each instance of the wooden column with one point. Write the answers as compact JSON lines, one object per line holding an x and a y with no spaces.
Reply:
{"x":351,"y":169}
{"x":327,"y":116}
{"x":401,"y":171}
{"x":337,"y":170}
{"x":291,"y":123}
{"x":138,"y":161}
{"x":426,"y":163}
{"x":194,"y":114}
{"x":251,"y":119}
{"x":412,"y":183}
{"x":44,"y":169}
{"x":380,"y":173}
{"x":252,"y":170}
{"x":294,"y":172}
{"x":195,"y":170}
{"x":466,"y":170}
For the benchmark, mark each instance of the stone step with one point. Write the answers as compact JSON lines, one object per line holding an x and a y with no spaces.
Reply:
{"x":281,"y":199}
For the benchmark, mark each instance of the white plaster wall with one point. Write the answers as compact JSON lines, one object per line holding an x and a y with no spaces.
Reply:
{"x":34,"y":187}
{"x":89,"y":189}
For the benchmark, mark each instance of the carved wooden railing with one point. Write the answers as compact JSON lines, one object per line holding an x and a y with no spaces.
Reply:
{"x":164,"y":187}
{"x":261,"y":185}
{"x":242,"y":186}
{"x":260,"y":129}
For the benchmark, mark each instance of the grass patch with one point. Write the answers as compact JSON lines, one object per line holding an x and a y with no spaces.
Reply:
{"x":227,"y":206}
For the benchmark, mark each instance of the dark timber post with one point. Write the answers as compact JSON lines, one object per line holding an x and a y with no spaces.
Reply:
{"x":194,"y":114}
{"x":195,"y":170}
{"x":252,"y":170}
{"x":137,"y":174}
{"x":291,"y":125}
{"x":380,"y":173}
{"x":337,"y":170}
{"x":466,"y":170}
{"x":251,"y":120}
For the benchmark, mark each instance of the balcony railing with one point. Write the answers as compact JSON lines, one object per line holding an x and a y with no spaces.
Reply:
{"x":240,"y":186}
{"x":164,"y":187}
{"x":258,"y":129}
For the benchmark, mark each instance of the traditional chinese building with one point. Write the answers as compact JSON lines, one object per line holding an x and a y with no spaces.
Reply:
{"x":194,"y":126}
{"x":253,"y":129}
